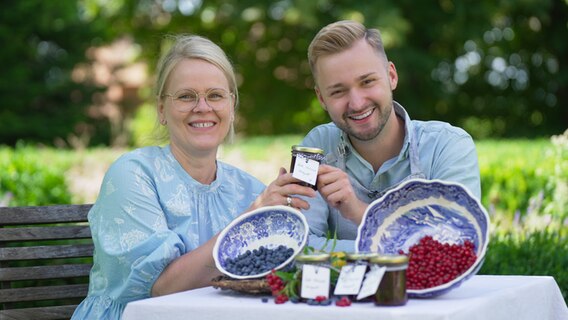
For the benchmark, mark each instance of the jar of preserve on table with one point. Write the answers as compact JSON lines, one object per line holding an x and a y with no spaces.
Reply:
{"x":316,"y":260}
{"x":392,"y":288}
{"x":360,"y":258}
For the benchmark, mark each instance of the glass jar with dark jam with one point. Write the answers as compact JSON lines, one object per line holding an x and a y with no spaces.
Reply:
{"x":392,"y":289}
{"x":361,"y":258}
{"x":300,"y":152}
{"x":315,"y":259}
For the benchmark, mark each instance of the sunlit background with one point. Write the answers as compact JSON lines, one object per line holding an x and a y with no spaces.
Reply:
{"x":80,"y":73}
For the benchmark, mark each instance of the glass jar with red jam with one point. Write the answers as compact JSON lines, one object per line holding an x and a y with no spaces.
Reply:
{"x":307,"y":153}
{"x":392,"y":288}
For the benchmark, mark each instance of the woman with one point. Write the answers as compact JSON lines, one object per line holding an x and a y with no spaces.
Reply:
{"x":160,"y":209}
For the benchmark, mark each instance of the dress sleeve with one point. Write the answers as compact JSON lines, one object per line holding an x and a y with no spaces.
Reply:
{"x":133,"y":243}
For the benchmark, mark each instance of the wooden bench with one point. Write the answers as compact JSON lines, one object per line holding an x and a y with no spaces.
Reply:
{"x":45,"y":258}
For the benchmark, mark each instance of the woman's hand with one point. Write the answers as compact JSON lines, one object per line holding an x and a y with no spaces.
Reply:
{"x":284,"y":190}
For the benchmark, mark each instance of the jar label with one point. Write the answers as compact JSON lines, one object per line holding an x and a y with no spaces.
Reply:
{"x":350,"y":279}
{"x":371,"y":283}
{"x":315,"y":281}
{"x":306,"y":170}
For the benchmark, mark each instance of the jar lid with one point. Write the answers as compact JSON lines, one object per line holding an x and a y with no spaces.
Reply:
{"x":390,"y":260}
{"x":353,"y":256}
{"x":314,"y":257}
{"x":307,"y":149}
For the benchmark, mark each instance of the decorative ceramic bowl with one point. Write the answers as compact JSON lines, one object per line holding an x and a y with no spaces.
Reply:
{"x":269,"y":227}
{"x":447,"y":211}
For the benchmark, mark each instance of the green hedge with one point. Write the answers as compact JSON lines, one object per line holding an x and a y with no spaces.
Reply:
{"x":538,"y":252}
{"x":514,"y":172}
{"x":525,"y":188}
{"x":31,"y":176}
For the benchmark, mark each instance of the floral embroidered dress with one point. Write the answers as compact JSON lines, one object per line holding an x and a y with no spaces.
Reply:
{"x":149,"y":212}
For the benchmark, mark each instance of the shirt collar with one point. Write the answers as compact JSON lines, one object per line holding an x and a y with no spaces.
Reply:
{"x":408,"y":129}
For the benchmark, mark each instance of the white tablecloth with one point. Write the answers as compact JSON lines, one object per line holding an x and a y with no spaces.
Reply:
{"x":479,"y":298}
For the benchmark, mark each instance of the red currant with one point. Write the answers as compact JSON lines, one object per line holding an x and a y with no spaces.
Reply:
{"x":432,"y":263}
{"x":343,"y":302}
{"x":282,"y":298}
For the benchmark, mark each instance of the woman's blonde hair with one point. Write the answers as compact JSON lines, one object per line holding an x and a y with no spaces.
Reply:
{"x":195,"y":47}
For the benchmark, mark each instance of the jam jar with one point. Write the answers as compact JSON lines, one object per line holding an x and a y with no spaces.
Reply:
{"x":315,"y":154}
{"x":315,"y":259}
{"x":392,"y":289}
{"x":361,"y":258}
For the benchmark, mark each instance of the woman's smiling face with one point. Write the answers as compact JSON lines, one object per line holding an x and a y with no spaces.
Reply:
{"x":201,"y":129}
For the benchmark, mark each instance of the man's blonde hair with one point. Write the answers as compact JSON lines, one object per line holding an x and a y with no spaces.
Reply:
{"x":340,"y":36}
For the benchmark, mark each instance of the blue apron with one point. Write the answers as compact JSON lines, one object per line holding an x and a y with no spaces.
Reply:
{"x":346,"y":229}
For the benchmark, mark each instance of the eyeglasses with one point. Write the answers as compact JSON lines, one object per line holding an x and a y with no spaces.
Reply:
{"x":186,"y":100}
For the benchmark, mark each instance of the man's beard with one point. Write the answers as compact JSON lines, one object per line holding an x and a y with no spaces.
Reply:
{"x":383,"y":116}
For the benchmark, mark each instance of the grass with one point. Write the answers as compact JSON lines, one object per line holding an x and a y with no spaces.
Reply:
{"x":263,"y":147}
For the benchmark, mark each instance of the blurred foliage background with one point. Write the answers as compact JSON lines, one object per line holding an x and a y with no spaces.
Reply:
{"x":80,"y":72}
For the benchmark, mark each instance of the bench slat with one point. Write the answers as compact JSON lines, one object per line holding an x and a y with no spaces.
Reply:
{"x":46,"y":252}
{"x":44,"y":214}
{"x":42,"y":313}
{"x":45,"y":272}
{"x":44,"y":233}
{"x":43,"y":248}
{"x":44,"y":293}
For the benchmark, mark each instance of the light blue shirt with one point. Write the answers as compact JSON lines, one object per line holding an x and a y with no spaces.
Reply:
{"x":431,"y":150}
{"x":148,"y":213}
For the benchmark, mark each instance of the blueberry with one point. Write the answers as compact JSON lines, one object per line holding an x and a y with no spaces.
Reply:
{"x":326,"y":302}
{"x":258,"y":260}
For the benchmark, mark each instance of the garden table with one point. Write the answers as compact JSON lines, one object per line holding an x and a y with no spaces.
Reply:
{"x":483,"y":297}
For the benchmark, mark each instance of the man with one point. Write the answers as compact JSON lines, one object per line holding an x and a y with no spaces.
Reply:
{"x":372,"y":145}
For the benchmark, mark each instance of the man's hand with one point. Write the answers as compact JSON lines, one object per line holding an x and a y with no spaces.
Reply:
{"x":335,"y":187}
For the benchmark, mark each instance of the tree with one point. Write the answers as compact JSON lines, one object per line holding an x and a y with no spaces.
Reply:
{"x":44,"y":41}
{"x":492,"y":67}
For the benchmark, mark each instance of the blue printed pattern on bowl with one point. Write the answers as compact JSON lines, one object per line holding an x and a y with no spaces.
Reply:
{"x":268,"y":227}
{"x":417,"y":208}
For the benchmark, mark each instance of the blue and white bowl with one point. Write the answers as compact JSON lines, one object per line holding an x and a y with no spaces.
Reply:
{"x":447,"y":211}
{"x":267,"y":226}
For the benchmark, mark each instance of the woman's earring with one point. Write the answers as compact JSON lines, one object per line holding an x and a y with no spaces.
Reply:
{"x":163,"y":122}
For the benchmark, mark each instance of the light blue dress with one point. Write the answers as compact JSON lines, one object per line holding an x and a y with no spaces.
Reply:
{"x":148,"y":213}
